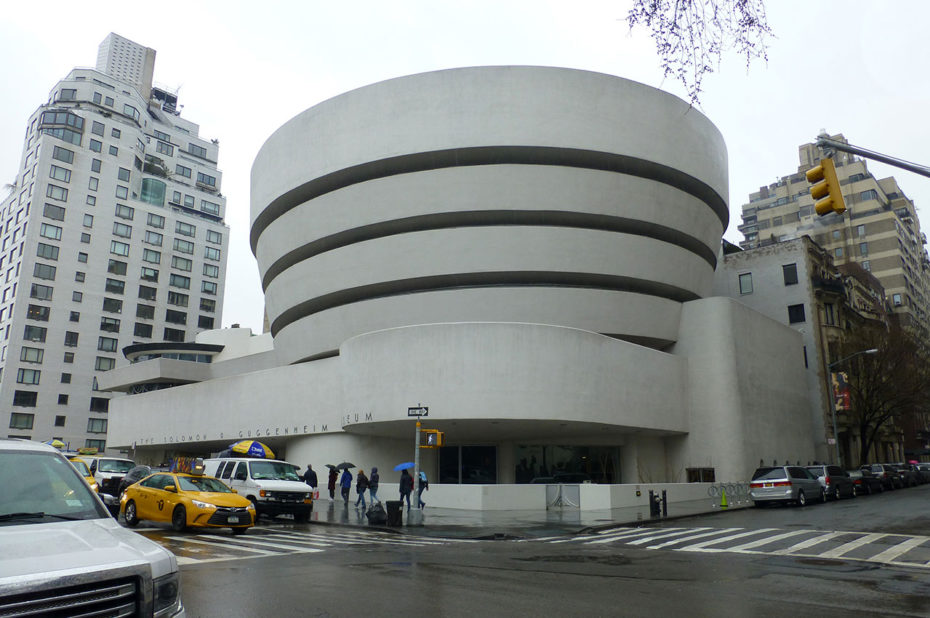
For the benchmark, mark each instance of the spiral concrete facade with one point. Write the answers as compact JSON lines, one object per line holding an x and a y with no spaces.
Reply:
{"x":487,"y":194}
{"x":527,"y":251}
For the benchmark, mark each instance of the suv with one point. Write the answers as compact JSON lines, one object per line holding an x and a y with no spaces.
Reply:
{"x":64,"y":555}
{"x":273,"y":486}
{"x":887,"y":475}
{"x":834,"y":480}
{"x":785,"y":484}
{"x":108,"y":472}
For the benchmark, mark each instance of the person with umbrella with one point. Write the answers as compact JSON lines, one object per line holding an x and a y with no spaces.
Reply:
{"x":345,"y":484}
{"x":406,"y":486}
{"x":333,"y":476}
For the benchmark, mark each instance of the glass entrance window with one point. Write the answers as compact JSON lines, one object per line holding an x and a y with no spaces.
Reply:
{"x":468,"y":465}
{"x":567,"y":464}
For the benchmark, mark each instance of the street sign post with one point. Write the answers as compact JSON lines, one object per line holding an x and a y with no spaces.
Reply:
{"x":418,"y":411}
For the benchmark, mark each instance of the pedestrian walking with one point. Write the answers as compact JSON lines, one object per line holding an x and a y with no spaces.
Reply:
{"x":345,"y":484}
{"x":406,"y":486}
{"x":333,"y":475}
{"x":422,"y":486}
{"x":310,"y":477}
{"x":361,"y":486}
{"x":373,"y":485}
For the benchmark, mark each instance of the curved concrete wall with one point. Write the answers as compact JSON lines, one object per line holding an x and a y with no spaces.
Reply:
{"x":499,"y":193}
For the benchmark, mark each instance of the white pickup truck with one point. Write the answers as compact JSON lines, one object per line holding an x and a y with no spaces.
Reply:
{"x":63,"y":555}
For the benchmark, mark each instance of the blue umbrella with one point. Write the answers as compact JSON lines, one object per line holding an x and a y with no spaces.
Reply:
{"x":404,"y":466}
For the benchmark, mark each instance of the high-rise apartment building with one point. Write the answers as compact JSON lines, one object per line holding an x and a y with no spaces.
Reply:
{"x":113,"y":234}
{"x":879,"y":231}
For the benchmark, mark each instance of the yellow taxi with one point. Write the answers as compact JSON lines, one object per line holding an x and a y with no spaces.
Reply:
{"x":81,"y":466}
{"x":186,"y":500}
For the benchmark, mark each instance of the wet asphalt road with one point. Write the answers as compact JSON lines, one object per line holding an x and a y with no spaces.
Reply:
{"x":862,"y":557}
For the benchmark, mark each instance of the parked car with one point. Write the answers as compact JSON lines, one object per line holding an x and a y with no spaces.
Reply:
{"x":785,"y":484}
{"x":834,"y":480}
{"x":865,"y":482}
{"x":886,"y":474}
{"x":909,"y":476}
{"x":924,"y":470}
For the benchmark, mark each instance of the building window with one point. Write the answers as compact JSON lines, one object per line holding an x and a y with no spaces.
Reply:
{"x":60,"y":420}
{"x":163,"y":148}
{"x":44,"y":271}
{"x":119,"y":248}
{"x":123,"y":174}
{"x":197,"y":151}
{"x":66,"y":378}
{"x":109,"y":325}
{"x":181,"y":263}
{"x":149,"y":274}
{"x":146,"y":292}
{"x":153,"y":192}
{"x":211,"y":208}
{"x":122,"y":230}
{"x":897,"y":300}
{"x":860,"y":231}
{"x":103,"y":363}
{"x":175,"y":317}
{"x":829,"y":315}
{"x":41,"y":292}
{"x":37,"y":313}
{"x":59,"y":173}
{"x":207,"y":304}
{"x":116,"y":267}
{"x":82,"y":257}
{"x":96,"y":145}
{"x":75,"y":316}
{"x":867,"y":265}
{"x":838,"y":252}
{"x":178,"y":299}
{"x":795,"y":314}
{"x":180,"y":281}
{"x":153,"y":238}
{"x":69,"y":357}
{"x":182,"y":171}
{"x":100,"y":445}
{"x":183,"y":246}
{"x":153,"y":257}
{"x":28,"y":376}
{"x":95,"y":165}
{"x":745,"y":283}
{"x":208,"y":287}
{"x":211,"y":253}
{"x":209,"y":270}
{"x":837,"y":234}
{"x":31,"y":355}
{"x":25,"y":399}
{"x":18,"y":420}
{"x":52,"y":232}
{"x":63,"y":154}
{"x":863,"y":248}
{"x":214,"y":237}
{"x":790,"y":273}
{"x":143,"y":330}
{"x":34,"y":333}
{"x":146,"y":312}
{"x":172,"y":334}
{"x":205,"y":322}
{"x":97,"y":128}
{"x":71,"y":339}
{"x":113,"y":305}
{"x":125,"y":212}
{"x":49,"y":252}
{"x":107,"y":344}
{"x":96,"y":425}
{"x":99,"y":404}
{"x":85,"y":238}
{"x":156,"y":221}
{"x":204,"y":179}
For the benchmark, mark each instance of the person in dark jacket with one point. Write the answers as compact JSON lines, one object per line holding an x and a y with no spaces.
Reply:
{"x":333,"y":475}
{"x":310,"y":477}
{"x":345,"y":484}
{"x":406,"y":486}
{"x":373,"y":485}
{"x":361,"y":486}
{"x":422,"y":485}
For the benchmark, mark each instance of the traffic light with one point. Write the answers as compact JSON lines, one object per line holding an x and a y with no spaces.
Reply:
{"x":826,"y":193}
{"x":433,"y":438}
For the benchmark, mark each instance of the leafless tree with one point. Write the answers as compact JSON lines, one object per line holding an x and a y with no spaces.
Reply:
{"x":691,"y":35}
{"x":888,"y":389}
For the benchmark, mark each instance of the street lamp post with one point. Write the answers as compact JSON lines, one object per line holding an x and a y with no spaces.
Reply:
{"x":832,"y":396}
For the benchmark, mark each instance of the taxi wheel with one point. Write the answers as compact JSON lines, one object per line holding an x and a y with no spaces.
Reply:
{"x":132,"y":519}
{"x":179,"y":519}
{"x":238,"y":531}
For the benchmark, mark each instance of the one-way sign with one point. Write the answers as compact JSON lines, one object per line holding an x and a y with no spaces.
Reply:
{"x":419,"y":411}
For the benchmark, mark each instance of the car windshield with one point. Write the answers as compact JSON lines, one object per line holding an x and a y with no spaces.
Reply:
{"x":203,"y":483}
{"x":115,"y":465}
{"x":273,"y":470}
{"x":769,"y":473}
{"x":43,"y":487}
{"x":81,"y":467}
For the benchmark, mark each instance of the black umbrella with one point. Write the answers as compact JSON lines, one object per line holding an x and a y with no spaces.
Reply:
{"x":331,"y":466}
{"x":345,"y":466}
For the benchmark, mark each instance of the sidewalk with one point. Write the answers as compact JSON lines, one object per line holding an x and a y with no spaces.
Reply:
{"x":460,"y":523}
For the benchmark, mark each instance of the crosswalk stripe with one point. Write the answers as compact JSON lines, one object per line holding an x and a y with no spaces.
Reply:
{"x":222,"y":545}
{"x":622,"y":537}
{"x":703,"y":546}
{"x":808,"y":543}
{"x":900,"y":549}
{"x":770,"y":539}
{"x":836,"y":552}
{"x":693,"y":537}
{"x":649,"y":539}
{"x":239,"y":542}
{"x":419,"y":542}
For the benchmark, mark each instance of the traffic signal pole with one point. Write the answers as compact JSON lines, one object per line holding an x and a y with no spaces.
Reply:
{"x":825,"y":143}
{"x":415,"y":515}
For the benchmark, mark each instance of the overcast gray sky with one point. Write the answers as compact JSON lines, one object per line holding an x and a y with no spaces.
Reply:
{"x":853,"y":66}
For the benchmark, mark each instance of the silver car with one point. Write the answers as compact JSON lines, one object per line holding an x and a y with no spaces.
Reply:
{"x":785,"y":484}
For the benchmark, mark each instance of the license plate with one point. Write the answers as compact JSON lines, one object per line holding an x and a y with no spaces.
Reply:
{"x":768,"y":485}
{"x":232,"y":519}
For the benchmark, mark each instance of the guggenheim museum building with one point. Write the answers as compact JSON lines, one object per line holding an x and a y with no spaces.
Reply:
{"x":529,"y":253}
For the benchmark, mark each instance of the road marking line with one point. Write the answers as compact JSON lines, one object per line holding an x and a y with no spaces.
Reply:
{"x":625,"y":537}
{"x":893,"y":552}
{"x":294,"y":537}
{"x":771,"y":539}
{"x":223,"y":545}
{"x":647,"y":539}
{"x":836,"y":552}
{"x":693,"y":537}
{"x":237,"y":542}
{"x":808,"y":543}
{"x":600,"y":535}
{"x":705,"y":544}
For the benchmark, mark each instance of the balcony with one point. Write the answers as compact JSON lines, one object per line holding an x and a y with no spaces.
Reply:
{"x":832,"y":286}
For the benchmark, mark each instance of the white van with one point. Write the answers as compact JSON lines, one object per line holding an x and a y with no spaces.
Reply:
{"x":63,"y":555}
{"x":108,"y":472}
{"x":272,"y":485}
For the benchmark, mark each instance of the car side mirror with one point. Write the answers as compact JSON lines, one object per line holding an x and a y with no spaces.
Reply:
{"x":171,"y":488}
